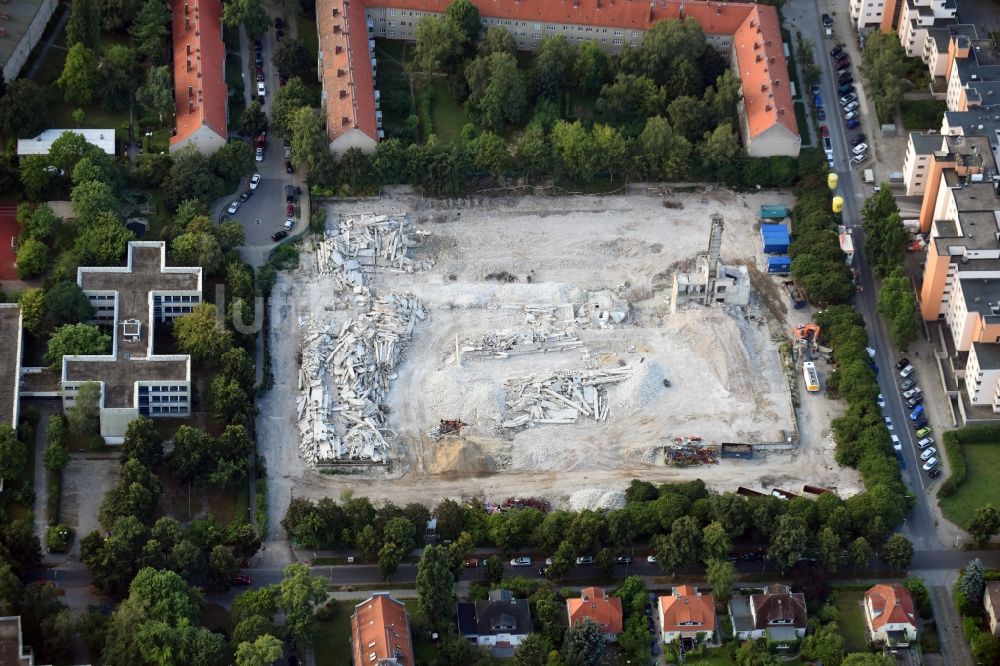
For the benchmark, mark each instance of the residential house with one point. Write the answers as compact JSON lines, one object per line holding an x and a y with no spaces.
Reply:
{"x":500,"y":623}
{"x":201,"y":95}
{"x":42,"y":144}
{"x":778,"y":613}
{"x":748,"y":35}
{"x":686,"y":615}
{"x":594,"y":603}
{"x":991,"y":602}
{"x":889,"y":615}
{"x":135,"y":380}
{"x":380,"y":632}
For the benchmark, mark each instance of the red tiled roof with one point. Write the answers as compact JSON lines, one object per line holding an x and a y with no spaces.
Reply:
{"x":200,"y":90}
{"x":347,"y":72}
{"x":380,"y":627}
{"x":749,"y":24}
{"x":890,"y":604}
{"x":686,"y":610}
{"x":598,"y":606}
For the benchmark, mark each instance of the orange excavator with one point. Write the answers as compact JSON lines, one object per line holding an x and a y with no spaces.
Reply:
{"x":809,"y":334}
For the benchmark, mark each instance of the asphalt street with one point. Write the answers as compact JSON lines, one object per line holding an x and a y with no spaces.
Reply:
{"x":919,"y":526}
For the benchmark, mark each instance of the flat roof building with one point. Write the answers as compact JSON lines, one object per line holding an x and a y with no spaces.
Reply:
{"x":23,"y":23}
{"x":10,"y":362}
{"x":42,"y":144}
{"x":132,"y":299}
{"x":749,"y":35}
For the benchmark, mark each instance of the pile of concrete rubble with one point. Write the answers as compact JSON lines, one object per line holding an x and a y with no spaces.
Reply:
{"x":506,"y":343}
{"x":560,"y":397}
{"x":344,"y":379}
{"x":362,"y":242}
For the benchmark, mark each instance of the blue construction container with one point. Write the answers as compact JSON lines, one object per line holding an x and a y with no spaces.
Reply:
{"x":775,"y":238}
{"x":779,"y":264}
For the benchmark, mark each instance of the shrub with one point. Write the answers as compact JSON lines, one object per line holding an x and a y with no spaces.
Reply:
{"x":58,"y":538}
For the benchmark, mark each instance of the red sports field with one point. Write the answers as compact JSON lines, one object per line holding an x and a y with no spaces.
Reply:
{"x":8,"y":235}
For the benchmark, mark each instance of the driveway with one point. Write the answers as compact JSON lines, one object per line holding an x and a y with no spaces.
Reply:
{"x":949,"y":625}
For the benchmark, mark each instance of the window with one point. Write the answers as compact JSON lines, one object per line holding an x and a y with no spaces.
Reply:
{"x":617,"y":42}
{"x":619,"y":33}
{"x":538,"y":26}
{"x":392,"y":12}
{"x":392,"y":33}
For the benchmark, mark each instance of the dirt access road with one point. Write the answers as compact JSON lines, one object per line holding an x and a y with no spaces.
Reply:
{"x":728,"y":382}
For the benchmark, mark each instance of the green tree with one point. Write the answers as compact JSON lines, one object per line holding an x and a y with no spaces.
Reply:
{"x":971,"y":584}
{"x":715,"y":542}
{"x":309,"y":142}
{"x":534,"y":649}
{"x":668,"y":41}
{"x":666,"y":154}
{"x":684,"y":541}
{"x":117,"y":15}
{"x":90,"y":199}
{"x":84,"y":414}
{"x":898,"y":552}
{"x":250,"y":13}
{"x":562,"y":561}
{"x":435,"y":586}
{"x":65,"y":303}
{"x":197,"y":249}
{"x":286,"y":103}
{"x":84,"y":24}
{"x":465,"y":16}
{"x":497,"y":40}
{"x":117,"y":69}
{"x":497,"y":92}
{"x":985,"y":524}
{"x":629,"y":102}
{"x":401,"y":532}
{"x":493,"y":569}
{"x":143,"y":442}
{"x":885,"y":237}
{"x":721,"y":576}
{"x":583,"y":644}
{"x":103,"y":243}
{"x":149,"y":31}
{"x":80,"y":78}
{"x":610,"y":149}
{"x":263,"y":651}
{"x":551,"y":64}
{"x":298,"y":593}
{"x":201,"y":334}
{"x":32,"y":259}
{"x":13,"y":454}
{"x":439,"y":44}
{"x":788,"y":542}
{"x":32,"y":308}
{"x":190,"y":455}
{"x":253,"y":121}
{"x":859,"y":553}
{"x":56,"y":458}
{"x":25,"y":109}
{"x":156,"y":95}
{"x":897,"y":305}
{"x":826,"y":646}
{"x":390,"y":556}
{"x":233,"y":161}
{"x":292,"y":59}
{"x":74,"y":339}
{"x":591,"y":68}
{"x":490,"y":153}
{"x":136,"y":495}
{"x":883,"y":64}
{"x":829,"y":548}
{"x":574,"y":149}
{"x":605,"y":563}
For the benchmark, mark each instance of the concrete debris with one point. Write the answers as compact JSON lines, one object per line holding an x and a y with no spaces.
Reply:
{"x":561,"y":397}
{"x":362,"y":242}
{"x":344,"y":379}
{"x":597,"y":499}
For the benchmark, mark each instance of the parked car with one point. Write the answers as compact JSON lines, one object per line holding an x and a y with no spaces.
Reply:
{"x":849,"y":116}
{"x":521,"y":562}
{"x":925,"y":442}
{"x":233,"y":207}
{"x":906,"y":372}
{"x":288,"y":152}
{"x":290,"y":209}
{"x":585,"y":559}
{"x":288,"y":167}
{"x":278,"y":23}
{"x":881,"y":401}
{"x":902,"y":363}
{"x":289,"y":224}
{"x":289,"y":194}
{"x":470,"y":563}
{"x":924,"y":432}
{"x":259,"y":155}
{"x":257,"y":45}
{"x":846,"y":88}
{"x":827,"y":21}
{"x":919,"y":423}
{"x":843,"y":60}
{"x":913,"y":391}
{"x":623,"y":559}
{"x":928,"y":453}
{"x":279,"y":35}
{"x":896,"y":444}
{"x":917,"y":413}
{"x":852,"y":123}
{"x":851,"y":107}
{"x":261,"y":92}
{"x":827,"y":146}
{"x":241,"y":579}
{"x":845,"y":78}
{"x":860,"y":138}
{"x":858,"y":159}
{"x":814,"y":90}
{"x":543,"y":571}
{"x":278,"y":235}
{"x":818,"y":101}
{"x":888,"y":423}
{"x":934,"y":473}
{"x":254,"y":181}
{"x":930,"y":464}
{"x":820,"y":114}
{"x":651,"y":559}
{"x":860,"y":149}
{"x":835,"y":51}
{"x":909,"y":383}
{"x":258,"y":59}
{"x":824,"y":131}
{"x":847,"y":99}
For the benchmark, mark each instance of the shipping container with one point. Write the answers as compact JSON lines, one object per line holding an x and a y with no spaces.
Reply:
{"x":779,"y":264}
{"x":775,"y":238}
{"x":773,"y":212}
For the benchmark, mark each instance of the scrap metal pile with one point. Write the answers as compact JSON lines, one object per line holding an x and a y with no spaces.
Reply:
{"x":362,"y":242}
{"x":561,"y":397}
{"x":344,"y":379}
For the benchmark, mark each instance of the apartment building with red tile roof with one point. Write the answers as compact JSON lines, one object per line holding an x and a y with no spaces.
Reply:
{"x":594,"y":603}
{"x":380,"y":632}
{"x":749,"y":34}
{"x":201,"y":96}
{"x":889,"y":614}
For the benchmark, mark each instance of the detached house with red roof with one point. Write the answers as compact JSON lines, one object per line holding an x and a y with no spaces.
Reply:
{"x":201,"y":96}
{"x":686,"y":615}
{"x":594,"y":603}
{"x":380,"y":632}
{"x":889,"y":615}
{"x":748,"y":34}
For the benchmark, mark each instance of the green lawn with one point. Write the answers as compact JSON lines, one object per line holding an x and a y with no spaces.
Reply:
{"x":447,"y":113}
{"x":306,"y":27}
{"x":333,"y":645}
{"x":980,"y":487}
{"x":922,"y":114}
{"x":852,"y":623}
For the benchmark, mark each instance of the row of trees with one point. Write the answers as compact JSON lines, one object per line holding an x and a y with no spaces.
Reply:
{"x":684,"y":523}
{"x":818,"y":263}
{"x":885,"y":248}
{"x":968,"y":594}
{"x":883,"y":65}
